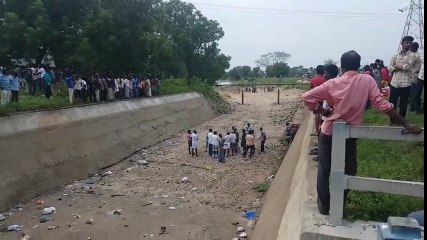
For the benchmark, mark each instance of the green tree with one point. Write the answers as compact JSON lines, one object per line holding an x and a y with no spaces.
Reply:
{"x":272,"y":58}
{"x":278,"y":70}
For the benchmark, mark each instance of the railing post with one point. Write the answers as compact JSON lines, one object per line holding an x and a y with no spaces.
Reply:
{"x":338,"y":181}
{"x":278,"y":96}
{"x":243,"y":92}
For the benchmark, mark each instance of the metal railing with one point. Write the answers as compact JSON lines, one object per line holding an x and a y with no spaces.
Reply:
{"x":340,"y":181}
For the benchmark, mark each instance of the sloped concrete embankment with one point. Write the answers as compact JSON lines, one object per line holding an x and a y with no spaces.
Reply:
{"x":279,"y":219}
{"x":43,"y":150}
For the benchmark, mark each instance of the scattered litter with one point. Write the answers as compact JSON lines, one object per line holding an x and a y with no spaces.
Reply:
{"x":240,"y":229}
{"x":117,"y":195}
{"x":90,"y":181}
{"x":235,"y":223}
{"x":172,"y":225}
{"x":126,"y":225}
{"x":165,"y":196}
{"x":184,"y":180}
{"x":129,"y":169}
{"x":52,"y":227}
{"x":76,"y":216}
{"x":243,"y":235}
{"x":36,"y":226}
{"x":117,"y":212}
{"x":251,"y":215}
{"x":209,"y":168}
{"x":235,"y":239}
{"x":163,"y":230}
{"x":39,"y":202}
{"x":48,"y":210}
{"x":271,"y":177}
{"x":2,"y":217}
{"x":14,"y":228}
{"x":25,"y":237}
{"x":65,"y":194}
{"x":142,"y":162}
{"x":194,"y":189}
{"x":172,"y":208}
{"x":151,"y":235}
{"x":108,"y":173}
{"x":44,"y":219}
{"x":90,"y":221}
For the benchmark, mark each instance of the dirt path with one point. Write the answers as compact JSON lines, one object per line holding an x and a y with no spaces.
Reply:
{"x":149,"y":197}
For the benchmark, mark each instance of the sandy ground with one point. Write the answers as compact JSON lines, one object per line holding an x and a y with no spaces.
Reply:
{"x":146,"y":198}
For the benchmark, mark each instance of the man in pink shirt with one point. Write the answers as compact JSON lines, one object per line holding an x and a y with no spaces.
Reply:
{"x":346,"y":96}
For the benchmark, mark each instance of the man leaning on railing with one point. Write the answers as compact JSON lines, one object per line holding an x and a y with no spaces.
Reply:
{"x":346,"y":96}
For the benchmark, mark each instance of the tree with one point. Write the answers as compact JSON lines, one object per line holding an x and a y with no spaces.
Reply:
{"x":278,"y":70}
{"x":272,"y":58}
{"x":329,"y":61}
{"x":194,"y":35}
{"x":118,"y":36}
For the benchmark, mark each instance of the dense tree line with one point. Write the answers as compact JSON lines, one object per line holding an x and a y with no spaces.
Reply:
{"x":275,"y":65}
{"x":149,"y":36}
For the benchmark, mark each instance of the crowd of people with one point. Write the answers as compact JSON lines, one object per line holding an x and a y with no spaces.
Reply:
{"x":81,"y":87}
{"x":346,"y":97}
{"x":222,"y":146}
{"x":230,"y":144}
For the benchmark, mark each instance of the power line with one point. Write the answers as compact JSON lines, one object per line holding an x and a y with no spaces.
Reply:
{"x":297,"y":12}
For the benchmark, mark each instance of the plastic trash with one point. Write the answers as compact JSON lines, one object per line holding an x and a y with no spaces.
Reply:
{"x":240,"y":229}
{"x":251,"y":215}
{"x":2,"y":217}
{"x":142,"y":162}
{"x":44,"y":219}
{"x":14,"y":228}
{"x":26,"y":237}
{"x":48,"y":210}
{"x":243,"y":235}
{"x":52,"y":227}
{"x":184,"y":180}
{"x":172,"y":208}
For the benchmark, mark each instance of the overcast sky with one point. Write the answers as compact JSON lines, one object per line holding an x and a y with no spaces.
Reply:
{"x":310,"y":37}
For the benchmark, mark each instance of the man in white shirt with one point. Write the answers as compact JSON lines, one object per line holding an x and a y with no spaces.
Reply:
{"x":194,"y":143}
{"x":233,"y":142}
{"x":215,"y":144}
{"x":210,"y":134}
{"x":418,"y":90}
{"x":227,"y":144}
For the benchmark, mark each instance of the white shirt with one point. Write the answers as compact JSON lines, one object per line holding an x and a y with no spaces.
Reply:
{"x":194,"y":138}
{"x":233,"y":137}
{"x":215,"y":140}
{"x":227,"y":139}
{"x":421,"y":75}
{"x":210,"y":138}
{"x":42,"y":72}
{"x":84,"y":84}
{"x":78,"y":85}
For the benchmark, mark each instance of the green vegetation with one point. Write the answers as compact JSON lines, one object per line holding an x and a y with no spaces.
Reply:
{"x":389,"y":160}
{"x":262,"y":187}
{"x":168,"y":87}
{"x":148,"y":36}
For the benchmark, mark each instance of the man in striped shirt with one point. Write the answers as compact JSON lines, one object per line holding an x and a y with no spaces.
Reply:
{"x":402,"y":66}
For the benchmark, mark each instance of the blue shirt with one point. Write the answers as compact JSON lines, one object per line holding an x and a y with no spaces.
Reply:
{"x":70,"y":82}
{"x":134,"y":82}
{"x":4,"y":82}
{"x":14,"y":84}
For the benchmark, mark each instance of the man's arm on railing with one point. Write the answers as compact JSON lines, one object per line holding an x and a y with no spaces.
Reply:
{"x":395,"y":117}
{"x":379,"y":102}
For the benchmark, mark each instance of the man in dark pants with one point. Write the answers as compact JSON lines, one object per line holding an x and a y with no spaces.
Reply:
{"x":402,"y":66}
{"x":347,"y":95}
{"x":418,"y":87}
{"x":263,"y":138}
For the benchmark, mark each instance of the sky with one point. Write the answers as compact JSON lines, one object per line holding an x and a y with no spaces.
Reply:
{"x":303,"y":29}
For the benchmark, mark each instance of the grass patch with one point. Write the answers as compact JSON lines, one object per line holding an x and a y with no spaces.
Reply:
{"x":168,"y":87}
{"x":396,"y":160}
{"x":262,"y":187}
